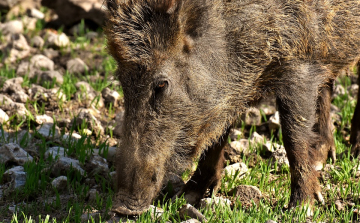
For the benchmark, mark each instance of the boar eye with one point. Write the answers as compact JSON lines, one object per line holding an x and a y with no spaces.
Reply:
{"x":160,"y":86}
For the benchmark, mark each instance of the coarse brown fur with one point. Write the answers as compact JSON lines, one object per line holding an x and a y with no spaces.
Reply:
{"x":189,"y":68}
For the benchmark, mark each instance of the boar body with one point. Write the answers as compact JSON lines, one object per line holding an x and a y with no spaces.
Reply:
{"x":189,"y":68}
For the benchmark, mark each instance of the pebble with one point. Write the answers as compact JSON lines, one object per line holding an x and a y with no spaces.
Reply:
{"x":274,"y":122}
{"x":49,"y":76}
{"x":12,"y":27}
{"x":37,"y":42}
{"x":35,"y":13}
{"x":339,"y":205}
{"x":56,"y":40}
{"x":215,"y":202}
{"x":15,"y":177}
{"x":41,"y":62}
{"x":76,"y":66}
{"x":64,"y":164}
{"x":280,"y":156}
{"x":13,"y":85}
{"x":23,"y":68}
{"x":20,"y":96}
{"x":97,"y":165}
{"x":48,"y":130}
{"x":189,"y":211}
{"x":110,"y":96}
{"x":235,"y":134}
{"x":42,"y":119}
{"x":252,"y":117}
{"x":13,"y":153}
{"x":246,"y":194}
{"x":3,"y":117}
{"x":238,"y":168}
{"x":56,"y":152}
{"x":59,"y":183}
{"x":17,"y":49}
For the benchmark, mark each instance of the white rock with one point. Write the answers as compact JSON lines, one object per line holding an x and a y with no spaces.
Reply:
{"x":55,"y":152}
{"x":23,"y":68}
{"x":56,"y":40}
{"x":47,"y":130}
{"x":20,"y":96}
{"x":280,"y":156}
{"x":59,"y":183}
{"x":5,"y":100}
{"x":241,"y":146}
{"x":3,"y":117}
{"x":238,"y":168}
{"x":12,"y":27}
{"x":274,"y":121}
{"x":29,"y":23}
{"x":76,"y":66}
{"x":64,"y":164}
{"x":41,"y":62}
{"x":36,"y":13}
{"x":97,"y":165}
{"x":15,"y":176}
{"x":235,"y":134}
{"x":214,"y":202}
{"x":110,"y":96}
{"x":41,"y":119}
{"x":37,"y":42}
{"x":256,"y":138}
{"x":190,"y":211}
{"x":13,"y":153}
{"x":17,"y":49}
{"x":50,"y":75}
{"x":13,"y":85}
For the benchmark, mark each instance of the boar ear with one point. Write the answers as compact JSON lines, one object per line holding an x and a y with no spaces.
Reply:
{"x":169,"y":6}
{"x":114,"y":4}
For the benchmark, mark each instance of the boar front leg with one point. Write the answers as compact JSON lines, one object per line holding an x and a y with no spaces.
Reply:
{"x":208,"y":172}
{"x":355,"y":123}
{"x":297,"y":94}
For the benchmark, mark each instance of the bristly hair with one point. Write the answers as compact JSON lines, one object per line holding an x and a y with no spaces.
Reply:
{"x":139,"y":30}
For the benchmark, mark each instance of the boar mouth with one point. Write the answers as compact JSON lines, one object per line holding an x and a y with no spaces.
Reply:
{"x":128,"y":205}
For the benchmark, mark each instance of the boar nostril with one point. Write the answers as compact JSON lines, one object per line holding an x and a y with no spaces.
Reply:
{"x":153,"y":178}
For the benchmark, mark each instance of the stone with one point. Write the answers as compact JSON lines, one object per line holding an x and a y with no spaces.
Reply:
{"x":7,"y":4}
{"x":23,"y":68}
{"x":41,"y":62}
{"x":214,"y":202}
{"x":13,"y":85}
{"x":51,"y":53}
{"x":246,"y":194}
{"x":97,"y":165}
{"x":17,"y":49}
{"x":49,"y":76}
{"x":20,"y":96}
{"x":64,"y":164}
{"x":339,"y":90}
{"x":85,"y":116}
{"x":274,"y":122}
{"x":5,"y":100}
{"x":73,"y":11}
{"x":12,"y":27}
{"x":13,"y":153}
{"x":48,"y":130}
{"x":234,"y":151}
{"x":56,"y":152}
{"x":110,"y":96}
{"x":252,"y":117}
{"x":42,"y":119}
{"x":59,"y":183}
{"x":37,"y":42}
{"x":353,"y":89}
{"x":238,"y":168}
{"x":119,"y":120}
{"x":3,"y":117}
{"x":35,"y":13}
{"x":76,"y":66}
{"x":18,"y":109}
{"x":55,"y":40}
{"x":235,"y":134}
{"x":73,"y":136}
{"x":189,"y":211}
{"x":339,"y":205}
{"x":15,"y":177}
{"x":279,"y":155}
{"x":256,"y":139}
{"x":29,"y":23}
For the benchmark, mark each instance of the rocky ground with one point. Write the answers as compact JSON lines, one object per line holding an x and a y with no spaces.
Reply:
{"x":61,"y":113}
